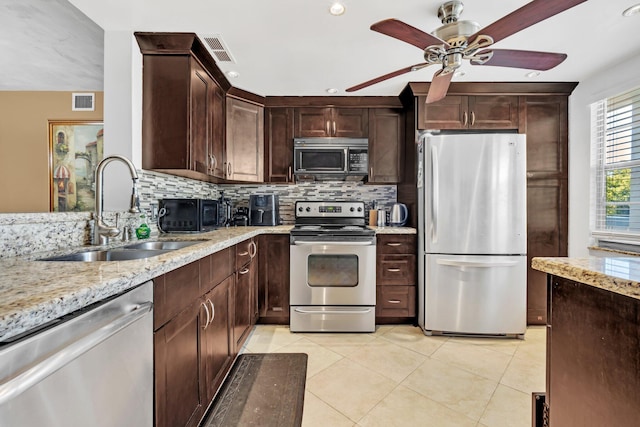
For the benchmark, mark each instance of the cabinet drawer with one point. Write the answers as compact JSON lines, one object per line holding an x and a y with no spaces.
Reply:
{"x":244,"y":251}
{"x":174,"y":291}
{"x":396,"y":244}
{"x":396,"y":270}
{"x":396,"y":301}
{"x":215,"y":268}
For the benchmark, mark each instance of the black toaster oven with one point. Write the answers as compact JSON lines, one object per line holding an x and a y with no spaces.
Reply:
{"x":190,"y":215}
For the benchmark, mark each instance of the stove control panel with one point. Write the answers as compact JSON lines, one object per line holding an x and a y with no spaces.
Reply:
{"x":330,"y":209}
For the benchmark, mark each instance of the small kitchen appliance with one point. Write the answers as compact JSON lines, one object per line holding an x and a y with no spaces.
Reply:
{"x":399,"y":215}
{"x":241,"y":217}
{"x":330,"y":159}
{"x":190,"y":215}
{"x":264,"y":209}
{"x":333,"y":268}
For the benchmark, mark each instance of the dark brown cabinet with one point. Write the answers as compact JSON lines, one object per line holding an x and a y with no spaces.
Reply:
{"x":217,"y":141}
{"x":544,"y":119}
{"x":245,"y":141}
{"x":386,"y":137}
{"x":593,"y":374}
{"x":469,"y":112}
{"x":273,"y":278}
{"x":395,"y":278}
{"x":278,"y":151}
{"x":245,"y":291}
{"x":331,"y":122}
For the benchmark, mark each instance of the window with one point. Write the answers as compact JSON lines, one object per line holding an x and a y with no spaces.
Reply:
{"x":615,"y":136}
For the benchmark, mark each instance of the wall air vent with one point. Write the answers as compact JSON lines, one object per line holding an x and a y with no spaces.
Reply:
{"x":218,"y":49}
{"x":83,"y":101}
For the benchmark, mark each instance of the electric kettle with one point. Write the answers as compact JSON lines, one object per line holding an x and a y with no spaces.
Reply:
{"x":399,"y":215}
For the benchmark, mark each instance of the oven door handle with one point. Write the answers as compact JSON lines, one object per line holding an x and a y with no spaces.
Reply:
{"x":303,"y":311}
{"x":324,"y":242}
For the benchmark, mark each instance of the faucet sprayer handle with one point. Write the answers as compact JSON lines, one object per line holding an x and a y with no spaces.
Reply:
{"x":134,"y":206}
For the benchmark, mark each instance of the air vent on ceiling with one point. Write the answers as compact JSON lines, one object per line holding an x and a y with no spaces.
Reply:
{"x":83,"y":102}
{"x":218,"y":48}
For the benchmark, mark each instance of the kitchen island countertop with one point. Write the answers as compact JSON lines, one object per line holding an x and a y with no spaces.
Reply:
{"x":616,"y":274}
{"x":34,"y":292}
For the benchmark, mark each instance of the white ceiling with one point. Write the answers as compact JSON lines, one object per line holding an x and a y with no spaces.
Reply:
{"x":295,"y":47}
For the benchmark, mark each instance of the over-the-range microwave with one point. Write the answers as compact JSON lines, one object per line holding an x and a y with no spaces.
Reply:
{"x":335,"y":159}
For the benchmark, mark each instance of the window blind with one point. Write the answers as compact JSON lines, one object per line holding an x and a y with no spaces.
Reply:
{"x":615,"y":136}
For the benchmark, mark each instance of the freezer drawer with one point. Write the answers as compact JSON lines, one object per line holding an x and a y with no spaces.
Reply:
{"x":333,"y":319}
{"x":475,"y":294}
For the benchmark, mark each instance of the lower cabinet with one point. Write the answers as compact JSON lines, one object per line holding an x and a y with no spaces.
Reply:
{"x":395,"y":278}
{"x":273,"y":279}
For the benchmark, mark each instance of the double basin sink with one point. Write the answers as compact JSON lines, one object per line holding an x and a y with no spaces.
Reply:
{"x":134,"y":251}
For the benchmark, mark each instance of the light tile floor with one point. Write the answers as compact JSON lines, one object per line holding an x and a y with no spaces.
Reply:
{"x":397,"y":376}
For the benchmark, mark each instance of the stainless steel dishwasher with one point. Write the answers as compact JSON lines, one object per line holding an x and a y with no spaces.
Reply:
{"x":94,"y":367}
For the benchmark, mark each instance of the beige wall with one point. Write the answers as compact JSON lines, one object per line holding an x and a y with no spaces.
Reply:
{"x":24,"y":145}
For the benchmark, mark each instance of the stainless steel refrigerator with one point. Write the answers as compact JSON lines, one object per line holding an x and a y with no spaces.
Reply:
{"x":472,"y":234}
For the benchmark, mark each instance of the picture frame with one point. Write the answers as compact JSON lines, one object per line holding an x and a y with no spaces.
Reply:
{"x":75,"y":149}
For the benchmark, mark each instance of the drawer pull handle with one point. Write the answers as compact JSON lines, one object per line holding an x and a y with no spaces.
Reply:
{"x":245,"y":253}
{"x":213,"y":311}
{"x":394,"y":301}
{"x":394,"y":244}
{"x":393,"y":270}
{"x":206,"y":309}
{"x":244,"y":271}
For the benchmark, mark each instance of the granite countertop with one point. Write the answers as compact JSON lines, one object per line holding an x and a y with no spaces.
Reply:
{"x":616,"y":274}
{"x":34,"y":292}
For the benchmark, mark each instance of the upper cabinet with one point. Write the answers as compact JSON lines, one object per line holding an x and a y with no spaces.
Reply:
{"x":386,"y":138}
{"x":245,"y":141}
{"x":469,"y":112}
{"x":331,"y":122}
{"x":278,"y":151}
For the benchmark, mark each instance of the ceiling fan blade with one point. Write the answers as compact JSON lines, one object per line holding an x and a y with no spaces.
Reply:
{"x":528,"y":59}
{"x":529,"y":14}
{"x":386,"y":77}
{"x":439,"y":86}
{"x":406,"y":33}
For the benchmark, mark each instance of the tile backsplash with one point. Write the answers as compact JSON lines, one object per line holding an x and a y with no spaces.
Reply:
{"x":23,"y":234}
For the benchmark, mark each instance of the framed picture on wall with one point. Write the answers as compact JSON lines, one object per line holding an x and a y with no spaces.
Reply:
{"x":75,"y":149}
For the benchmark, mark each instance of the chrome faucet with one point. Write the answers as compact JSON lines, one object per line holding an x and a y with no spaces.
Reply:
{"x":101,"y":230}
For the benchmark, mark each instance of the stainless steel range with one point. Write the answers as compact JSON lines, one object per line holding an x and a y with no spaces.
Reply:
{"x":333,"y":268}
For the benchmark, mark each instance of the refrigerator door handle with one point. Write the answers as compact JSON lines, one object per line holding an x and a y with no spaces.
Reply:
{"x":434,"y":194}
{"x":477,"y":264}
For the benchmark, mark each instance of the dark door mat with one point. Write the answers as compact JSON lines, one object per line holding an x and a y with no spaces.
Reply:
{"x":261,"y":390}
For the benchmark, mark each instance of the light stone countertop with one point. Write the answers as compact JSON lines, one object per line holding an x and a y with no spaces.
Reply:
{"x":34,"y":292}
{"x":615,"y":274}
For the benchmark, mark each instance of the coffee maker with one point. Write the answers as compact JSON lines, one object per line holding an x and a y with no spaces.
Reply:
{"x":264,"y":209}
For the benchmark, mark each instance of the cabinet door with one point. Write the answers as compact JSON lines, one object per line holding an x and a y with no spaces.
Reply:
{"x":217,"y":140}
{"x":200,"y":117}
{"x":312,"y":122}
{"x":350,"y":122}
{"x":245,"y":141}
{"x":278,"y":152}
{"x":448,"y":113}
{"x":493,"y":112}
{"x":386,"y":138}
{"x":273,"y":278}
{"x":217,"y":346}
{"x":180,"y":393}
{"x":544,"y":119}
{"x":243,"y":304}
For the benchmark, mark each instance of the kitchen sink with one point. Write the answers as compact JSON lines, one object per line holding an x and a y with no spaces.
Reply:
{"x":108,"y":255}
{"x":164,"y":245}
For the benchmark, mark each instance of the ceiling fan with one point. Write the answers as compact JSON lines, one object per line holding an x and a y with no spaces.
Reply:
{"x":456,"y":41}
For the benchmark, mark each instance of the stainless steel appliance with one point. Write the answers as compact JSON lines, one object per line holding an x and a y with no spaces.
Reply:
{"x":399,"y":215}
{"x":191,"y":215}
{"x":335,"y":159}
{"x":264,"y":209}
{"x":472,"y":228}
{"x":333,"y":268}
{"x":93,"y":368}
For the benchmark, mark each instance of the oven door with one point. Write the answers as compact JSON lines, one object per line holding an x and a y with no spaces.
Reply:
{"x":336,"y":273}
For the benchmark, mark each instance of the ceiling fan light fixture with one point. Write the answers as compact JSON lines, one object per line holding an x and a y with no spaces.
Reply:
{"x":332,"y":90}
{"x":532,"y":74}
{"x":633,"y":10}
{"x":337,"y":9}
{"x":233,"y":74}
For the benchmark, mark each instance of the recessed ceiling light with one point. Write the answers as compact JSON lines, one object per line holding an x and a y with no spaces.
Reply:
{"x":337,"y":9}
{"x":459,"y":73}
{"x":332,"y":90}
{"x":233,"y":74}
{"x":532,"y":74}
{"x":633,"y":10}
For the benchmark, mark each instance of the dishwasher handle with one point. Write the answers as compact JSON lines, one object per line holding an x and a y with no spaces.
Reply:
{"x":40,"y":370}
